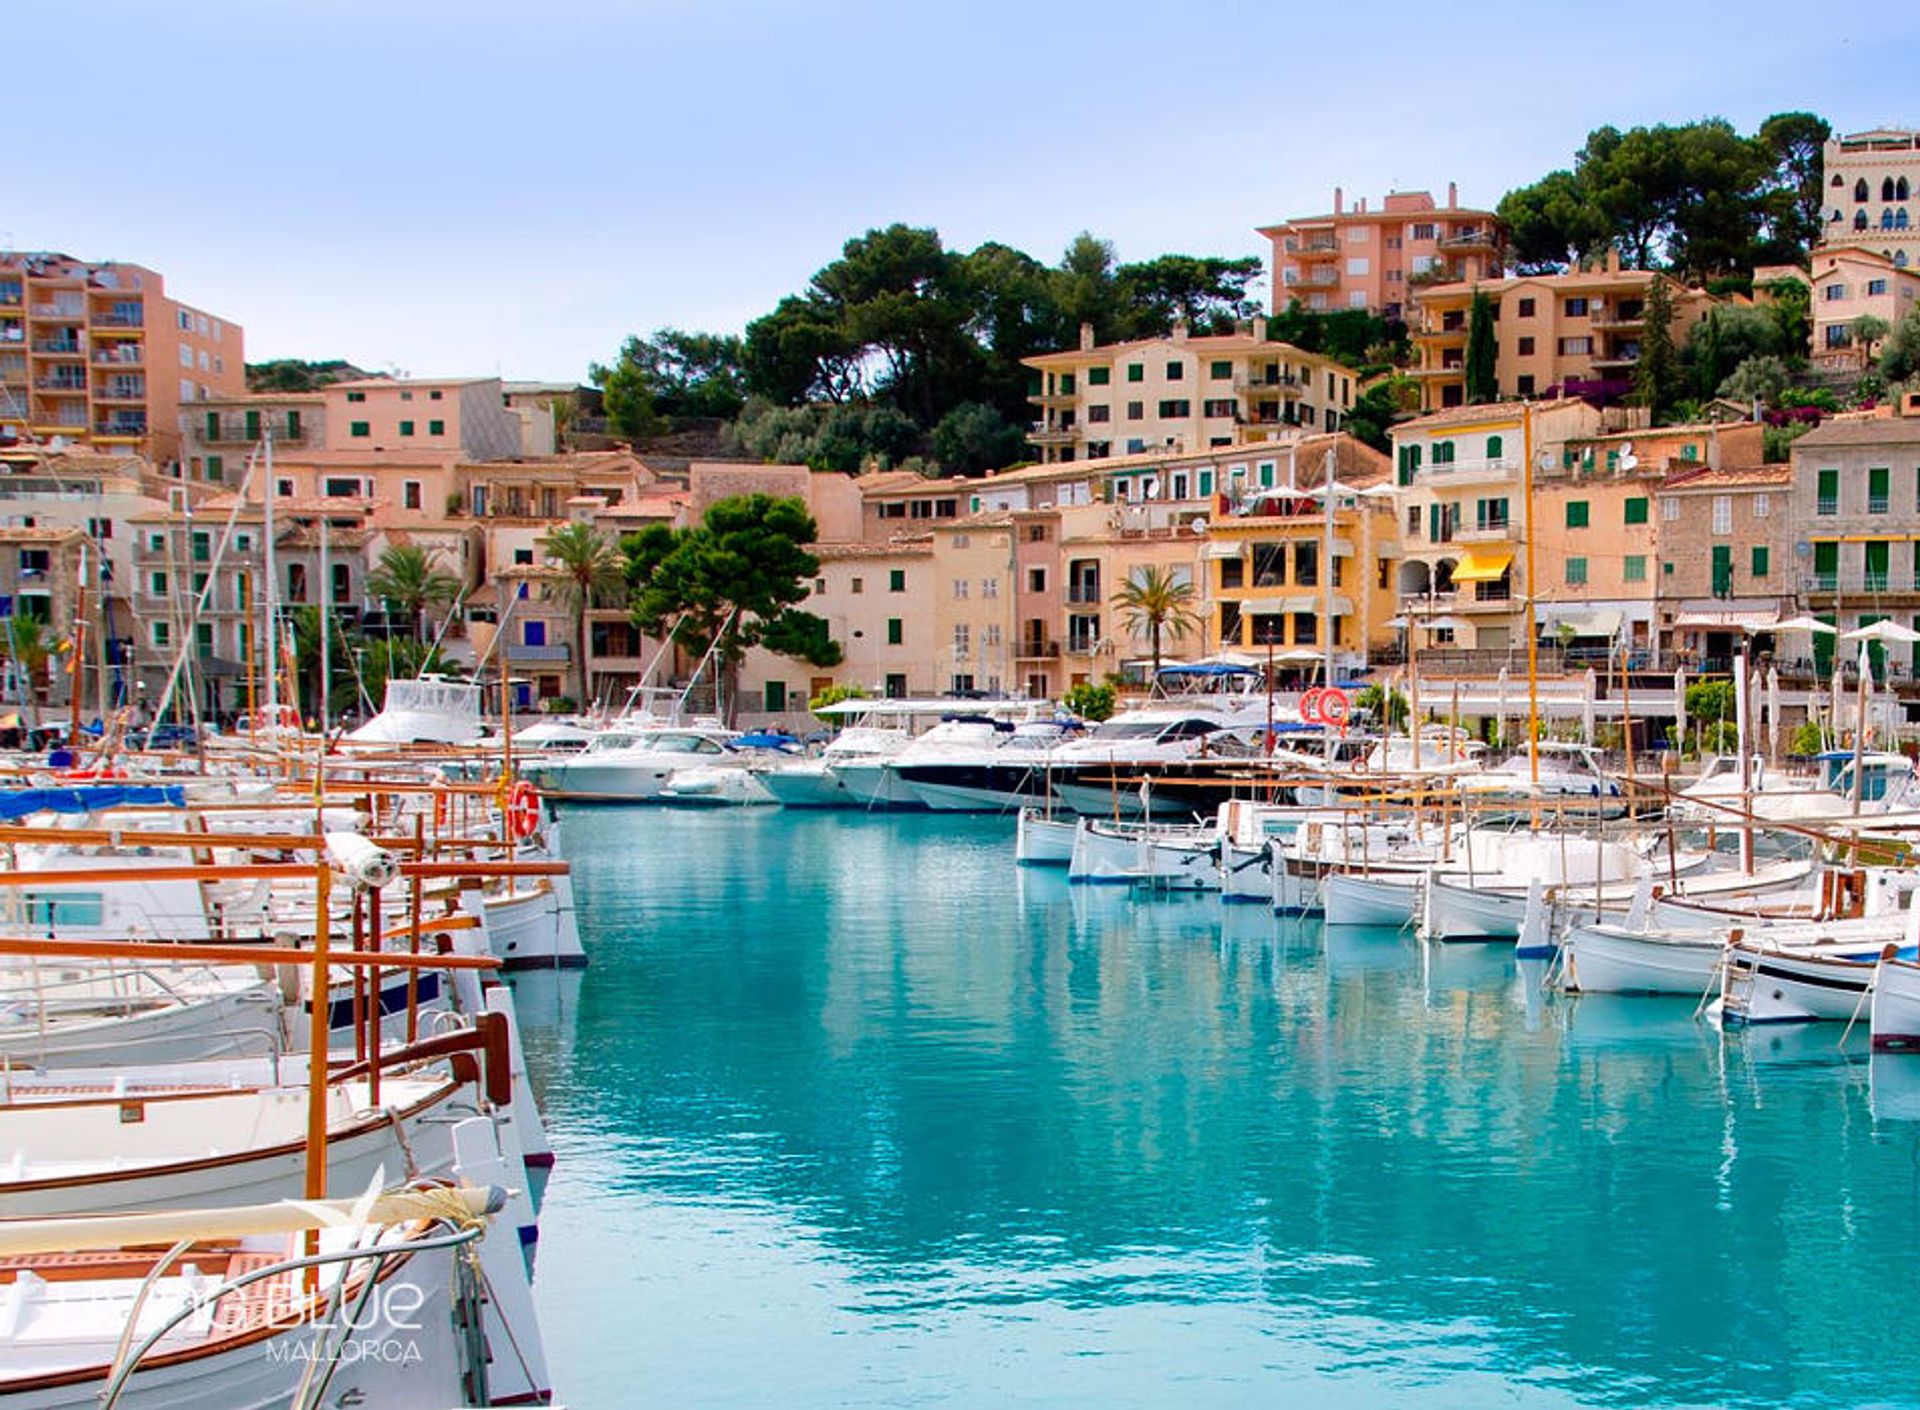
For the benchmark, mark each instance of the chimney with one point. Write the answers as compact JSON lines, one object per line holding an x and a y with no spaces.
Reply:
{"x":1613,"y":259}
{"x":1180,"y":330}
{"x":1259,"y":328}
{"x":1453,"y":195}
{"x":1336,"y":201}
{"x":1086,"y":337}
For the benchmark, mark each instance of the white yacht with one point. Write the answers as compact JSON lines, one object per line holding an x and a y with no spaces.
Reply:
{"x":429,"y":710}
{"x":633,"y":764}
{"x":1003,"y":776}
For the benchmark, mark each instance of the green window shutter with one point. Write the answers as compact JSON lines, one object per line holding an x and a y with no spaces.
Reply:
{"x":293,"y":425}
{"x":1576,"y":514}
{"x":213,"y":425}
{"x":1220,"y":371}
{"x":897,"y":580}
{"x":1494,"y":447}
{"x":406,"y":428}
{"x":894,"y":631}
{"x":1576,"y":572}
{"x":1206,"y":482}
{"x":1689,"y":451}
{"x":1637,"y":510}
{"x":253,"y":425}
{"x":1566,"y":458}
{"x":1635,"y":568}
{"x":1828,"y":493}
{"x":216,"y":468}
{"x":1760,"y":564}
{"x":1098,"y":376}
{"x":1066,"y":384}
{"x":1879,"y":485}
{"x":1136,"y":372}
{"x":1722,"y":570}
{"x":1613,"y":460}
{"x":360,"y":428}
{"x":1877,"y":555}
{"x":436,"y":428}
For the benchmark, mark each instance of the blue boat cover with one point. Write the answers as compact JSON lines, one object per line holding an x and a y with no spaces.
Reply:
{"x":16,"y":803}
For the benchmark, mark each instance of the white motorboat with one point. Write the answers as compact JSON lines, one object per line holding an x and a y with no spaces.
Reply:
{"x":428,"y":710}
{"x":875,"y":780}
{"x":1000,"y":777}
{"x":1563,"y":771}
{"x":628,"y":765}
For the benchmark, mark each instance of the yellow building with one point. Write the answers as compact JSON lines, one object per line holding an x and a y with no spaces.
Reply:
{"x":1551,"y":330}
{"x":1871,"y":181}
{"x":1182,"y":393}
{"x":1270,"y":567}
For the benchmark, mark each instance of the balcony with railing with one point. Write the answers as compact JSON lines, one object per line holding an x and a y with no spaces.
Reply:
{"x":125,"y":353}
{"x":1087,"y":594}
{"x":58,"y":347}
{"x":556,"y":655}
{"x":1468,"y":472}
{"x":59,"y":386}
{"x":124,"y":427}
{"x":1861,"y":582}
{"x":1473,"y":238}
{"x":1042,"y":434}
{"x":119,"y":318}
{"x":1320,"y":278}
{"x":1271,"y":385}
{"x":122,"y":389}
{"x":1032,"y":649}
{"x":76,"y":311}
{"x":243,"y":432}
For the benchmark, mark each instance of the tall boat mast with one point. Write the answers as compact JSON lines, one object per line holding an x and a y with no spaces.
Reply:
{"x":271,"y":595}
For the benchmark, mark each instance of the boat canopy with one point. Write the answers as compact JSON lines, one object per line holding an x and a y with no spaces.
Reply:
{"x":16,"y":803}
{"x":1207,"y":668}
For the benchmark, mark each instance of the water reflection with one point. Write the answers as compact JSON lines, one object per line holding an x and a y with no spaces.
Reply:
{"x":992,"y":1118}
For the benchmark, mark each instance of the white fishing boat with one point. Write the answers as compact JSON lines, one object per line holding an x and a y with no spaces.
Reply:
{"x":1482,"y":894}
{"x":1169,"y":856}
{"x":1562,"y":771}
{"x":532,"y":925}
{"x":1895,"y":1007}
{"x":76,"y":1014}
{"x":1377,"y":896}
{"x":1773,"y":979}
{"x":1041,"y":841}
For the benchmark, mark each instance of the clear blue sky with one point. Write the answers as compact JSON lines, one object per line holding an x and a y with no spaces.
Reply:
{"x":465,"y":188}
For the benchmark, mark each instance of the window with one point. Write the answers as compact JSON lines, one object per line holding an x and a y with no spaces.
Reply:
{"x":1098,"y":376}
{"x":338,"y":488}
{"x":1636,"y":510}
{"x":1175,"y":409}
{"x":1760,"y":563}
{"x":1833,"y":293}
{"x":1723,"y":514}
{"x":1496,"y":446}
{"x":360,"y":428}
{"x":1036,"y":580}
{"x":1576,"y":514}
{"x":1219,"y":371}
{"x":1669,"y":507}
{"x":1206,"y":483}
{"x":896,"y":580}
{"x":1876,"y":557}
{"x":433,"y":396}
{"x":1634,"y":568}
{"x":436,"y":428}
{"x":1526,"y":347}
{"x":1442,"y":453}
{"x":962,"y":639}
{"x":523,"y":557}
{"x":1099,"y":413}
{"x":410,"y":494}
{"x":1490,"y":514}
{"x":1526,"y":308}
{"x":161,"y":634}
{"x":216,"y":469}
{"x":1136,"y":372}
{"x":1175,"y":371}
{"x":960,"y":588}
{"x":1826,"y":565}
{"x":1218,"y":407}
{"x":406,"y":428}
{"x":1827,"y":497}
{"x":1879,"y":489}
{"x":1762,"y":506}
{"x":356,"y":397}
{"x":1576,"y":572}
{"x":1358,"y":266}
{"x":1876,"y":287}
{"x":157,"y":584}
{"x":895,"y":632}
{"x":1575,"y":347}
{"x":1722,"y":570}
{"x":1422,"y":231}
{"x":989,"y":587}
{"x":857,"y":587}
{"x":1136,"y":411}
{"x":1576,"y":308}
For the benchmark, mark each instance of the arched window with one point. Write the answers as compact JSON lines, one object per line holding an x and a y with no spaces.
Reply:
{"x":1900,"y":218}
{"x":1860,"y":189}
{"x":1836,"y":180}
{"x":1495,"y":447}
{"x":1886,"y":218}
{"x":1900,"y":191}
{"x":1899,"y":259}
{"x":1859,"y":220}
{"x":1886,"y":188}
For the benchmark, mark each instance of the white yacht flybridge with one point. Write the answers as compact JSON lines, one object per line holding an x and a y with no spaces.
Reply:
{"x":431,"y":709}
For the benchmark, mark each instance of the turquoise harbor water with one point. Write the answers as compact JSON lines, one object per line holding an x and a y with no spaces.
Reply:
{"x":852,"y":1112}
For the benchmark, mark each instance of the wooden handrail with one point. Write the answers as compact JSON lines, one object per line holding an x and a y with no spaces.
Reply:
{"x":233,"y":954}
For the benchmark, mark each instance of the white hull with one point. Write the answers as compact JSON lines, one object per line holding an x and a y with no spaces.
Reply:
{"x":957,"y":798}
{"x":1385,"y":899}
{"x":1296,"y":889}
{"x":241,"y":1022}
{"x":1100,"y":801}
{"x":579,"y":781}
{"x":1041,"y":841}
{"x":1896,"y":1006}
{"x":1613,"y":960}
{"x":533,"y":929}
{"x":1767,"y":986}
{"x":1456,"y":912}
{"x":874,"y":785}
{"x":715,"y":787}
{"x":810,"y":785}
{"x":1246,"y":873}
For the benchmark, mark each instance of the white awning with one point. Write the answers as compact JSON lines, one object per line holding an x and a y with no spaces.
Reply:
{"x":1730,"y":620}
{"x":1225,"y":548}
{"x":1585,"y":621}
{"x":1342,"y":549}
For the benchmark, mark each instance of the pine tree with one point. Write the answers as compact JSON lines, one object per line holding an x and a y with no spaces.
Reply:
{"x":1483,"y":383}
{"x":1656,"y":375}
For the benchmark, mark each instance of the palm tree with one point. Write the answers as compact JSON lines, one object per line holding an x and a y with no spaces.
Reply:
{"x":1154,"y":601}
{"x":27,"y":646}
{"x":407,"y":581}
{"x":593,"y":573}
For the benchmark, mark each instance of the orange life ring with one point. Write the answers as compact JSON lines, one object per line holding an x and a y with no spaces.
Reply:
{"x":1310,"y":705}
{"x":523,"y":810}
{"x":1333,"y":705}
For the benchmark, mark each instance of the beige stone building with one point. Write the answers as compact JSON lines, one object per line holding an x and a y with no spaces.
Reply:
{"x":1182,"y":394}
{"x":1726,"y":563}
{"x":1871,"y":181}
{"x":1375,"y":259}
{"x":1856,"y":510}
{"x":1556,"y":333}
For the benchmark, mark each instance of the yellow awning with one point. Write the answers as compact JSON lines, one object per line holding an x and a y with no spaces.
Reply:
{"x":1482,"y":567}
